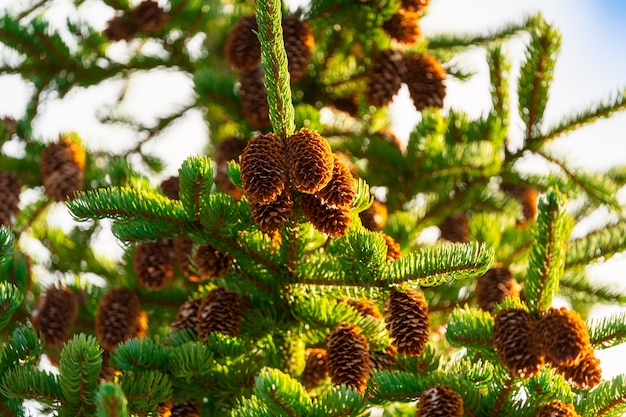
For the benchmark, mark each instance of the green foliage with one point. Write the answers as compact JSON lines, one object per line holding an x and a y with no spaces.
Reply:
{"x":281,"y":394}
{"x":80,"y":364}
{"x":6,"y":243}
{"x":111,"y":401}
{"x":10,"y":300}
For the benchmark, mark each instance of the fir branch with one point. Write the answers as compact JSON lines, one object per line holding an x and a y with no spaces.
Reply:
{"x":28,"y":383}
{"x":282,"y":394}
{"x":251,"y":407}
{"x":597,"y":245}
{"x":139,"y":354}
{"x":6,"y":243}
{"x":576,"y":285}
{"x":111,"y":401}
{"x":80,"y":364}
{"x":606,"y":400}
{"x":23,"y":348}
{"x":196,"y":179}
{"x":190,"y":360}
{"x":608,"y":331}
{"x":10,"y":300}
{"x":438,"y":264}
{"x":547,"y":255}
{"x":274,"y":60}
{"x":338,"y":401}
{"x":499,"y":71}
{"x":470,"y":327}
{"x":145,"y":390}
{"x":386,"y":386}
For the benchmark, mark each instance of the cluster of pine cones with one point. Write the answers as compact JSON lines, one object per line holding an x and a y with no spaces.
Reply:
{"x":147,"y":17}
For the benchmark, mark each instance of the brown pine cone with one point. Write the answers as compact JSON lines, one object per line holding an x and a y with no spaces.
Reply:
{"x":515,"y":340}
{"x":10,"y":189}
{"x":440,"y":401}
{"x":254,"y":105}
{"x":243,"y":49}
{"x":120,"y":28}
{"x":383,"y":360}
{"x":187,"y":316}
{"x":107,"y":372}
{"x":334,"y":221}
{"x":366,"y":308}
{"x":221,"y":310}
{"x":56,"y":312}
{"x":183,"y":252}
{"x":586,"y":374}
{"x":455,"y":228}
{"x":210,"y":262}
{"x":425,"y":77}
{"x":170,"y":187}
{"x":62,"y":168}
{"x":272,"y":217}
{"x":310,"y":161}
{"x":298,"y":44}
{"x":148,"y":16}
{"x":393,"y":249}
{"x":385,"y":77}
{"x":374,"y":217}
{"x":417,"y":6}
{"x":527,"y":196}
{"x":153,"y":262}
{"x":263,"y":173}
{"x":563,"y":336}
{"x":315,"y":369}
{"x":186,"y":409}
{"x":406,"y":317}
{"x":347,"y":356}
{"x":494,"y":286}
{"x":118,"y":317}
{"x":340,"y":190}
{"x":403,"y":26}
{"x":228,"y":150}
{"x":557,"y":409}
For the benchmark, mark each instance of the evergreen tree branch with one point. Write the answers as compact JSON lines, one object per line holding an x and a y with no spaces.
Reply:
{"x":145,"y":390}
{"x":7,"y":241}
{"x":10,"y":300}
{"x":499,"y":71}
{"x":139,"y":354}
{"x":608,"y":399}
{"x":196,"y":179}
{"x":576,"y":285}
{"x":190,"y":360}
{"x":600,"y":244}
{"x":470,"y":327}
{"x":608,"y":331}
{"x":274,"y":60}
{"x":282,"y":394}
{"x":23,"y":348}
{"x":28,"y":383}
{"x":111,"y":401}
{"x":80,"y":365}
{"x":338,"y":401}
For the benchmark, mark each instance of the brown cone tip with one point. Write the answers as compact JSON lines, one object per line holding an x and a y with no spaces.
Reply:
{"x":455,"y":228}
{"x":186,"y":409}
{"x":62,"y":168}
{"x":170,"y":187}
{"x":366,"y":308}
{"x":425,"y":78}
{"x":262,"y":168}
{"x":187,"y":316}
{"x":516,"y":342}
{"x":272,"y":217}
{"x":243,"y":49}
{"x":120,"y":28}
{"x":440,"y":401}
{"x":348,"y":358}
{"x":254,"y":105}
{"x":228,"y":150}
{"x":385,"y":77}
{"x":10,"y":189}
{"x":118,"y":317}
{"x":148,"y":16}
{"x":406,"y":318}
{"x":298,"y":44}
{"x":310,"y":161}
{"x":221,"y":310}
{"x":393,"y":249}
{"x":383,"y":360}
{"x":563,"y":336}
{"x":334,"y":221}
{"x":340,"y":191}
{"x":557,"y":409}
{"x":494,"y":286}
{"x":586,"y":374}
{"x":374,"y":217}
{"x":403,"y":27}
{"x":211,"y":263}
{"x":315,"y":369}
{"x":56,"y":312}
{"x":153,"y":262}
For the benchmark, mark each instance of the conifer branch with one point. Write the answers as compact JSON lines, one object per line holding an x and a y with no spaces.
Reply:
{"x":10,"y":300}
{"x":111,"y":401}
{"x":29,"y":383}
{"x":274,"y":60}
{"x":80,"y":364}
{"x":6,"y":243}
{"x":499,"y":71}
{"x":575,"y":284}
{"x":195,"y":178}
{"x":139,"y":354}
{"x":145,"y":390}
{"x":596,"y":245}
{"x":339,"y":401}
{"x":282,"y":394}
{"x":608,"y":331}
{"x":471,"y":327}
{"x":607,"y":399}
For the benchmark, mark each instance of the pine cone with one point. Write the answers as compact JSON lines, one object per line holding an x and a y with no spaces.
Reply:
{"x":340,"y":190}
{"x":527,"y":196}
{"x":383,"y":360}
{"x":221,"y":310}
{"x":210,"y":262}
{"x":243,"y":49}
{"x":56,"y":312}
{"x":563,"y":336}
{"x":10,"y":189}
{"x":315,"y":369}
{"x":393,"y":249}
{"x":262,"y":168}
{"x":366,"y":308}
{"x":406,"y":317}
{"x":455,"y":228}
{"x":385,"y":77}
{"x":183,"y":251}
{"x":348,"y":358}
{"x":440,"y":401}
{"x":228,"y":150}
{"x":171,"y":187}
{"x":403,"y":27}
{"x":120,"y":28}
{"x":586,"y":374}
{"x":148,"y":16}
{"x":62,"y":167}
{"x":153,"y":262}
{"x":186,"y":409}
{"x":254,"y":105}
{"x":107,"y":372}
{"x":165,"y":409}
{"x":425,"y":77}
{"x":334,"y":221}
{"x":118,"y":317}
{"x":494,"y":286}
{"x":272,"y":217}
{"x":187,"y":316}
{"x":298,"y":44}
{"x":310,"y":161}
{"x":374,"y":217}
{"x":516,"y":343}
{"x":417,"y":6}
{"x":557,"y":409}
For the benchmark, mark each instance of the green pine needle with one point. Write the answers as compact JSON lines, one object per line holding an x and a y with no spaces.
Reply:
{"x":139,"y":354}
{"x":6,"y":243}
{"x":598,"y":245}
{"x":10,"y":300}
{"x":608,"y":331}
{"x":195,"y":179}
{"x":29,"y":383}
{"x":470,"y":327}
{"x":111,"y":401}
{"x":282,"y":394}
{"x":80,"y":365}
